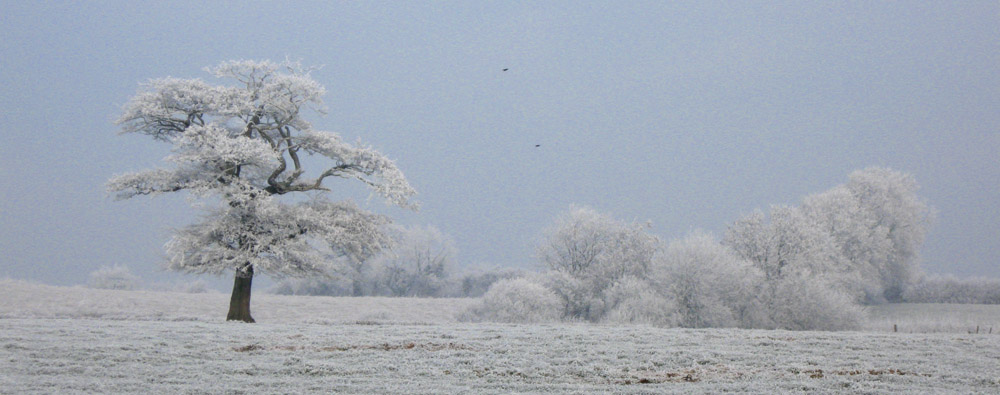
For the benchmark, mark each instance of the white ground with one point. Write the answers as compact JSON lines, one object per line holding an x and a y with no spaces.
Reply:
{"x":65,"y":340}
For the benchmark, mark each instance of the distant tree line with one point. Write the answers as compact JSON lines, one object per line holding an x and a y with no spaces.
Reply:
{"x":802,"y":267}
{"x":951,"y":289}
{"x":420,"y":262}
{"x":811,"y":266}
{"x":120,"y":278}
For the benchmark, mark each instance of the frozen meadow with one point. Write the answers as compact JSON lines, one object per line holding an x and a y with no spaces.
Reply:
{"x":74,"y":339}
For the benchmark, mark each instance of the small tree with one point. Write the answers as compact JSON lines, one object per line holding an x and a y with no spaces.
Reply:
{"x":416,"y":265}
{"x":587,"y":252}
{"x":242,"y":146}
{"x":634,"y":300}
{"x":516,"y":300}
{"x":709,"y":285}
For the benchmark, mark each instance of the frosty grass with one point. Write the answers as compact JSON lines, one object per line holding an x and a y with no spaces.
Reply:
{"x":66,"y":340}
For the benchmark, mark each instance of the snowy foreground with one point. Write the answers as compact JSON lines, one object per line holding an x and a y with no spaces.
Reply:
{"x":58,"y":339}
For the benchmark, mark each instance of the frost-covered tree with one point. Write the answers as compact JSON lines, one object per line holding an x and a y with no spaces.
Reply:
{"x":890,"y":197}
{"x":417,"y":264}
{"x":243,"y":147}
{"x":864,"y":245}
{"x":587,"y":252}
{"x":709,"y":285}
{"x":806,"y":283}
{"x":782,"y":242}
{"x":878,"y":222}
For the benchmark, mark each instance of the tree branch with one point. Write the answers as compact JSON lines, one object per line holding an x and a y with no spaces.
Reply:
{"x":293,"y":152}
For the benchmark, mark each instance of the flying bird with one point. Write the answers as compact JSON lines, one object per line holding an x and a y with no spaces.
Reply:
{"x":505,"y":69}
{"x":537,"y":145}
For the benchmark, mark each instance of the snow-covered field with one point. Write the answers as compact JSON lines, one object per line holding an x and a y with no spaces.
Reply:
{"x":64,"y":340}
{"x":27,"y":300}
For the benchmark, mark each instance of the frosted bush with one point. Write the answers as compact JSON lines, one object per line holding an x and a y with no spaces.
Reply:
{"x":519,"y":300}
{"x":587,"y":252}
{"x":113,"y":277}
{"x":313,"y":287}
{"x":634,"y":301}
{"x":808,"y":303}
{"x":709,"y":285}
{"x":575,"y":296}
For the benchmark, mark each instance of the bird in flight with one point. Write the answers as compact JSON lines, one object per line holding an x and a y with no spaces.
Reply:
{"x":505,"y":69}
{"x":537,"y":145}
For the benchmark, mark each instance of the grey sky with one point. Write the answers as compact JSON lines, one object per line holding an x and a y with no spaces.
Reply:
{"x":687,"y":114}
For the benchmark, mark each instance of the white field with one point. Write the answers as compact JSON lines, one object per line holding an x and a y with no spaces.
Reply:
{"x":79,"y":340}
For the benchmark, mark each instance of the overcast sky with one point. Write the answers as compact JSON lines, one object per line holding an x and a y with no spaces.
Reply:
{"x":685,"y":114}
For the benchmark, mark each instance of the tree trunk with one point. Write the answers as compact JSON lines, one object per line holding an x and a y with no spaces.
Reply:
{"x":356,"y":288}
{"x":239,"y":304}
